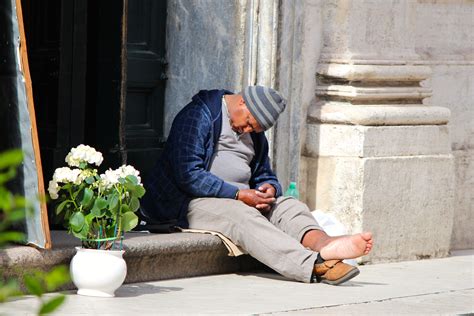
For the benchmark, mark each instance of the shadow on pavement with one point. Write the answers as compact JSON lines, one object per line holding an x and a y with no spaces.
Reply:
{"x":133,"y":290}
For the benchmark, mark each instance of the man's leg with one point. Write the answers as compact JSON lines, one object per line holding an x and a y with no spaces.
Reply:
{"x":294,"y":218}
{"x":249,"y":229}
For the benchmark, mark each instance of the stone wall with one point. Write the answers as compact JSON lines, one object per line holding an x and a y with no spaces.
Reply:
{"x":377,"y":151}
{"x":445,"y":42}
{"x":379,"y":127}
{"x":205,"y":48}
{"x":300,"y":37}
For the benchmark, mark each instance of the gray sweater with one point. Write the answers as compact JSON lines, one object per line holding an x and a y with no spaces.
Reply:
{"x":233,"y":154}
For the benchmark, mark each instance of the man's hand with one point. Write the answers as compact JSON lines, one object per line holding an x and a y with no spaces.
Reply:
{"x":257,"y":199}
{"x":266,"y":190}
{"x":262,"y":199}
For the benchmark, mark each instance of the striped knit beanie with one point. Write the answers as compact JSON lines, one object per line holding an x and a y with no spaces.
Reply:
{"x":264,"y":103}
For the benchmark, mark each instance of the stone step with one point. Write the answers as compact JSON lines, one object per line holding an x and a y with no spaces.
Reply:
{"x":149,"y":257}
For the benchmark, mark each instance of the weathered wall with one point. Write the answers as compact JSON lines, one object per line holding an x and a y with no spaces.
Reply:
{"x":205,"y":49}
{"x":377,"y":149}
{"x":300,"y":39}
{"x":377,"y":152}
{"x":445,"y":41}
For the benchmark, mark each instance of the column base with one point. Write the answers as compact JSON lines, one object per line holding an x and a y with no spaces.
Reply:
{"x":394,"y":181}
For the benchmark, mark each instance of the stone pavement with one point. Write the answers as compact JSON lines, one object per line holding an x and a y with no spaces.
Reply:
{"x":437,"y":286}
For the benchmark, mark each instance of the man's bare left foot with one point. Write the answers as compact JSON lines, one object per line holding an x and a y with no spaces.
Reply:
{"x":347,"y":247}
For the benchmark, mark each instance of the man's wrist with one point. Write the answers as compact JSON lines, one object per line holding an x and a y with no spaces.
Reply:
{"x":236,"y":197}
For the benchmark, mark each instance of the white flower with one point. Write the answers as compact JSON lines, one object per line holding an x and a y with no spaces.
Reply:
{"x":63,"y":175}
{"x":53,"y":189}
{"x":83,"y":153}
{"x":111,"y":177}
{"x":67,"y":175}
{"x":127,"y":170}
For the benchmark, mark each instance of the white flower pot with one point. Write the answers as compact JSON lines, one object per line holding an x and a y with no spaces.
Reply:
{"x":98,"y":272}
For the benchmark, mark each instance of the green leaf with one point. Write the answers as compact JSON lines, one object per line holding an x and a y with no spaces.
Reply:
{"x":82,"y":165}
{"x":7,"y":176}
{"x":140,"y":191}
{"x":11,"y":237}
{"x":124,"y":209}
{"x":90,"y":180}
{"x":5,"y":198}
{"x":11,"y":158}
{"x":132,"y":179}
{"x":8,"y":290}
{"x":100,"y":203}
{"x":89,"y":218}
{"x":33,"y":285}
{"x":135,"y":190}
{"x":113,"y":202}
{"x":77,"y":221}
{"x":129,"y":221}
{"x":16,"y":215}
{"x":82,"y":234}
{"x":77,"y":190}
{"x":99,"y":207}
{"x":52,"y":304}
{"x":87,"y":197}
{"x":20,"y":201}
{"x":57,"y":277}
{"x":61,"y":206}
{"x":134,"y":204}
{"x":96,"y":212}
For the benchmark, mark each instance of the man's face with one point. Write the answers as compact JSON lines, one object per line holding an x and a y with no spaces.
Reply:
{"x":242,"y":121}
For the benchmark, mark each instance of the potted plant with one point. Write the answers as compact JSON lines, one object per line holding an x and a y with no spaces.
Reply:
{"x":98,"y":209}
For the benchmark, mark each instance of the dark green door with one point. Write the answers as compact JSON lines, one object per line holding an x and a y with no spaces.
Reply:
{"x":145,"y":82}
{"x":76,"y":64}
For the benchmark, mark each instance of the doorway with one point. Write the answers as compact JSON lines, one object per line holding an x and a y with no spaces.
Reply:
{"x":74,"y":51}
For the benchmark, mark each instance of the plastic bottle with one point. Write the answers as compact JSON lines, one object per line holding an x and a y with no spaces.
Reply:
{"x":292,"y":191}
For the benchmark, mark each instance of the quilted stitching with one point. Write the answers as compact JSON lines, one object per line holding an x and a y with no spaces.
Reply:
{"x":181,"y":172}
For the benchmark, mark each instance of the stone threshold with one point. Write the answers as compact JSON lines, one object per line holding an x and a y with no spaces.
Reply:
{"x":149,"y":257}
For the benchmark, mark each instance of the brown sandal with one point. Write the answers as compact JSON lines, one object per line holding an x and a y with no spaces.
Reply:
{"x":334,"y":272}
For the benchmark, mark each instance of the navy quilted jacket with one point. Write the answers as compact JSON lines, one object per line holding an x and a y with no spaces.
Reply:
{"x":181,"y":173}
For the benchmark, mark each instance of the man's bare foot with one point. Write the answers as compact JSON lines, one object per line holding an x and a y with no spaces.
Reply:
{"x":347,"y":247}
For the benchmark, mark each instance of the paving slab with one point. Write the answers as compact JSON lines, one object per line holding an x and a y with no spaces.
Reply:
{"x":443,"y":303}
{"x":149,"y":257}
{"x":436,"y":286}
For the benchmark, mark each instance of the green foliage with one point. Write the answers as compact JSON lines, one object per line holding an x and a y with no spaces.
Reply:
{"x":56,"y":278}
{"x":38,"y":283}
{"x":51,"y":305}
{"x":9,"y":288}
{"x":96,"y":208}
{"x":14,"y":208}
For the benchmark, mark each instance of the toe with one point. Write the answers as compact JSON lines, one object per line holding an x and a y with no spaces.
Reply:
{"x":367,"y":236}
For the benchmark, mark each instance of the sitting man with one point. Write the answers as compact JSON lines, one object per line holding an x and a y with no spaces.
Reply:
{"x":214,"y":174}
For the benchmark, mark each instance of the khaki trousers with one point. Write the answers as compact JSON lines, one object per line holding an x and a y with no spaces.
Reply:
{"x":273,"y":239}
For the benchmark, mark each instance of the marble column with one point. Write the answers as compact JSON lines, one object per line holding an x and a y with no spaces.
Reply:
{"x":377,"y":152}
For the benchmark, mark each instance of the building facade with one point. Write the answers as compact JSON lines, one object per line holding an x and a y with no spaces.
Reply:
{"x":379,"y":127}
